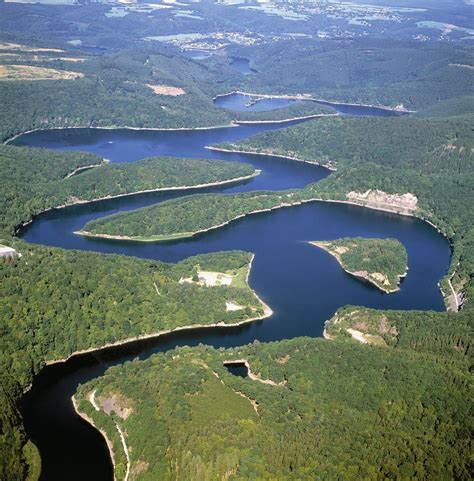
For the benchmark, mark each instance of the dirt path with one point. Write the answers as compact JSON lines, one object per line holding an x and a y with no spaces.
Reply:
{"x":453,"y":299}
{"x":121,"y":434}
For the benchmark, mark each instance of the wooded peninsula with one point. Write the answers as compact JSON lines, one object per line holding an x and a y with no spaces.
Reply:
{"x":382,"y":262}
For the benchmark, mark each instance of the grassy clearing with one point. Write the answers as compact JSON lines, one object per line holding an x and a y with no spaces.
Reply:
{"x":29,"y":72}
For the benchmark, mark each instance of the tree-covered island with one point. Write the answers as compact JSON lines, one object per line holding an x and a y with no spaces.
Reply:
{"x":382,"y":262}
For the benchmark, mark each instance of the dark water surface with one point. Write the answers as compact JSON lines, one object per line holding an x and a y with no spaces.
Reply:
{"x":242,"y":65}
{"x":302,"y":284}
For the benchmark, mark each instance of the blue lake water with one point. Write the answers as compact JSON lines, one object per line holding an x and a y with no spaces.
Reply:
{"x":246,"y":103}
{"x":302,"y":284}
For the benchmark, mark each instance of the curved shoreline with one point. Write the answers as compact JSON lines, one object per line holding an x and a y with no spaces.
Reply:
{"x":23,"y":224}
{"x":233,"y":123}
{"x":267,"y":312}
{"x":327,"y":166}
{"x":304,"y":117}
{"x":188,"y":235}
{"x":308,"y":98}
{"x":324,"y":247}
{"x":185,"y":235}
{"x":91,"y":399}
{"x":141,"y":337}
{"x":108,"y":442}
{"x":181,"y":235}
{"x":124,"y":127}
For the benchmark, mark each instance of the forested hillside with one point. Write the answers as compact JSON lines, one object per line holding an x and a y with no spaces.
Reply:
{"x":388,"y":394}
{"x":113,"y":92}
{"x":364,"y":71}
{"x":435,"y":165}
{"x":363,"y":413}
{"x":76,"y":300}
{"x":431,"y":158}
{"x":37,"y":179}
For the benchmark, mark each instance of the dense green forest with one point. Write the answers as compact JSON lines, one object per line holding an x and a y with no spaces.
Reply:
{"x":77,"y":300}
{"x":102,"y":299}
{"x":153,"y":173}
{"x":399,"y":409}
{"x":379,"y":261}
{"x":432,"y":158}
{"x":372,"y":413}
{"x":364,"y":71}
{"x":436,"y":165}
{"x":184,"y":216}
{"x":37,"y":179}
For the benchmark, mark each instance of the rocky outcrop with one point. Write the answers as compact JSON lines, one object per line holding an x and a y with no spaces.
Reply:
{"x":406,"y":204}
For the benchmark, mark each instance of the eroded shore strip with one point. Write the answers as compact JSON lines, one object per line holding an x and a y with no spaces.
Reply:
{"x":307,"y":97}
{"x":123,"y":127}
{"x":304,"y":117}
{"x":89,"y":420}
{"x":85,"y":167}
{"x":327,"y":165}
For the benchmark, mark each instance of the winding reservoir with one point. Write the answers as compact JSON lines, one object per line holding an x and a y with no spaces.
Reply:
{"x":302,"y":284}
